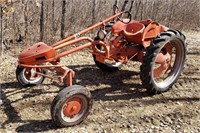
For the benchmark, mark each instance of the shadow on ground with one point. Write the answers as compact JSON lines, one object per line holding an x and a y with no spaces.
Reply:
{"x":87,"y":75}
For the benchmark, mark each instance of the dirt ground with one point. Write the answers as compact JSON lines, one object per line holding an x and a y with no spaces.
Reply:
{"x":120,"y":103}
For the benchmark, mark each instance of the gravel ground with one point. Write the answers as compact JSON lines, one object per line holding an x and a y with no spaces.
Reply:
{"x":120,"y":103}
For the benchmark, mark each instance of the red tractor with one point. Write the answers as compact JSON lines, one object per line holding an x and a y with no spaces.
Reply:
{"x":161,"y":51}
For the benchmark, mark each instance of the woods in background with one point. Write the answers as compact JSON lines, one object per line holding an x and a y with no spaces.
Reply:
{"x":31,"y":21}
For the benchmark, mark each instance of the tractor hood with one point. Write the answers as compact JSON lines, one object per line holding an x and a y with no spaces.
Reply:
{"x":39,"y":52}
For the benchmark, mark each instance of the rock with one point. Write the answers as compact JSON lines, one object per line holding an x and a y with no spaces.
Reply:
{"x":109,"y":120}
{"x":156,"y":122}
{"x":128,"y":126}
{"x":168,"y":119}
{"x":1,"y":102}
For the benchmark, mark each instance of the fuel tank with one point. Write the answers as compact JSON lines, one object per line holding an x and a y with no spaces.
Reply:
{"x":39,"y":52}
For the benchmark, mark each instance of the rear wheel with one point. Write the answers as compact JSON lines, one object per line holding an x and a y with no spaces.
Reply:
{"x":29,"y":76}
{"x":71,"y":106}
{"x":163,"y":61}
{"x":109,"y":66}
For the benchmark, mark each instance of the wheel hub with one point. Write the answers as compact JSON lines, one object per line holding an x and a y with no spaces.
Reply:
{"x":163,"y":59}
{"x":72,"y":107}
{"x":30,"y":73}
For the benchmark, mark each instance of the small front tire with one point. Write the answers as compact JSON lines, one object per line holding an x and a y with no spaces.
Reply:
{"x":71,"y":106}
{"x":28,"y":77}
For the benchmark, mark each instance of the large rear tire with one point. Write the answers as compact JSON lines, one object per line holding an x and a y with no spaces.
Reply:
{"x":175,"y":41}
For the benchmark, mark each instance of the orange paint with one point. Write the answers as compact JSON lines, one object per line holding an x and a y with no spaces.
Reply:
{"x":135,"y":32}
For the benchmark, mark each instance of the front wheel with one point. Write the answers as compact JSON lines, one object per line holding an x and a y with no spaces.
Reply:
{"x":29,"y":77}
{"x":71,"y":106}
{"x":163,"y":61}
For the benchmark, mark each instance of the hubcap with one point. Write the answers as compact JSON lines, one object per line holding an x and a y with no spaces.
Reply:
{"x":30,"y":73}
{"x":163,"y":61}
{"x":72,"y":107}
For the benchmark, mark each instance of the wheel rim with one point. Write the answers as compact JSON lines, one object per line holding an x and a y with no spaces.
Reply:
{"x":74,"y":108}
{"x":164,"y":74}
{"x":113,"y":64}
{"x":30,"y":74}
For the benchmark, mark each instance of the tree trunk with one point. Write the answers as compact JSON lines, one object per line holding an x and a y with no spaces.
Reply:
{"x":137,"y":9}
{"x":53,"y":8}
{"x":1,"y":24}
{"x":93,"y":11}
{"x":42,"y":22}
{"x":142,"y":10}
{"x":171,"y":10}
{"x":26,"y":25}
{"x":25,"y":18}
{"x":62,"y":30}
{"x":198,"y":21}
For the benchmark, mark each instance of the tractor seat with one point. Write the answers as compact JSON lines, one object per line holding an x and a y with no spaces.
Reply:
{"x":133,"y":32}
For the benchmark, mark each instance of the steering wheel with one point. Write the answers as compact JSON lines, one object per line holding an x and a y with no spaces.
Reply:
{"x":115,"y":9}
{"x":128,"y":16}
